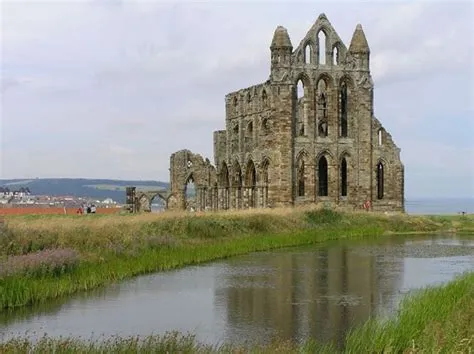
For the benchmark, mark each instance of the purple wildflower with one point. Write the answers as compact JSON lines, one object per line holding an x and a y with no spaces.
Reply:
{"x":52,"y":261}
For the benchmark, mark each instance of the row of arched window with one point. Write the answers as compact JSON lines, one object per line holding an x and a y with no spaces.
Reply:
{"x":247,"y":182}
{"x":321,"y":45}
{"x":249,"y":98}
{"x":322,"y":108}
{"x":323,"y":181}
{"x":237,"y":179}
{"x":250,"y":180}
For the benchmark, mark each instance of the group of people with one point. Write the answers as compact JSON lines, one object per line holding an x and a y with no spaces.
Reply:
{"x":89,"y":209}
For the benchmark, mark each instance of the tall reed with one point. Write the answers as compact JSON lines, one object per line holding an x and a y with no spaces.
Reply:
{"x":113,"y":248}
{"x":435,"y":319}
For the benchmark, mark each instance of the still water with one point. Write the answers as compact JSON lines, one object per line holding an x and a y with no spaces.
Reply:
{"x":317,"y":291}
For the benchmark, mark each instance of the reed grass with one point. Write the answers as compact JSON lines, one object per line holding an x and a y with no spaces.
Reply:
{"x":115,"y":247}
{"x":433,"y":320}
{"x":172,"y":342}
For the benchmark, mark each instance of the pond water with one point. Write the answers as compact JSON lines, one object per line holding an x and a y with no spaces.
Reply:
{"x":315,"y":291}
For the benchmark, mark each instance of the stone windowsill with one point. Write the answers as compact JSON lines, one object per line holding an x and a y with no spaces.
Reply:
{"x":346,"y":140}
{"x":324,"y":199}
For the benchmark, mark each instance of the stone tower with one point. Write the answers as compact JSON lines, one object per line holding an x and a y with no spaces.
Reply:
{"x":307,"y":135}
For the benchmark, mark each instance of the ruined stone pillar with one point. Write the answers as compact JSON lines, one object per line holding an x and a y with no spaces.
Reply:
{"x":196,"y":198}
{"x":239,"y":197}
{"x":220,"y":194}
{"x":212,"y":198}
{"x":232,"y":198}
{"x":228,"y":198}
{"x":258,"y":197}
{"x":264,"y":196}
{"x":254,"y":197}
{"x":220,"y":204}
{"x":204,"y":199}
{"x":245,"y":198}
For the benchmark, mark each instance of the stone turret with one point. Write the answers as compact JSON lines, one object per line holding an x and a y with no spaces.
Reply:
{"x":281,"y":49}
{"x":359,"y":42}
{"x":359,"y":49}
{"x":281,"y":39}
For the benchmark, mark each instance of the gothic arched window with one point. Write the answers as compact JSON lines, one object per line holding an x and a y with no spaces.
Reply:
{"x":380,"y":180}
{"x":343,"y":113}
{"x":323,"y":177}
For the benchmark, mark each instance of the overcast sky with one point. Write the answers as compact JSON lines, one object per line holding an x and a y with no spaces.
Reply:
{"x":109,"y":89}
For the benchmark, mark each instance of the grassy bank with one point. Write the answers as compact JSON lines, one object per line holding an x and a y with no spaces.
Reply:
{"x":111,"y":248}
{"x":434,"y":320}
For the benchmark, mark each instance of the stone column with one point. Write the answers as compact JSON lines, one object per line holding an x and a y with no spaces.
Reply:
{"x":233,"y":198}
{"x":204,"y":198}
{"x":240,"y":197}
{"x":222,"y":196}
{"x":258,"y":197}
{"x":245,"y":198}
{"x":228,"y":201}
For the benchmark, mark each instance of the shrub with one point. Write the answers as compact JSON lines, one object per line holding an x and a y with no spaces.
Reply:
{"x":323,"y":217}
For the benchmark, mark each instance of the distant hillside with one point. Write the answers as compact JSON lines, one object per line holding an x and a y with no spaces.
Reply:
{"x":81,"y":187}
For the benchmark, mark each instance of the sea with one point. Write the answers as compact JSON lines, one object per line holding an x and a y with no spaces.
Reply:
{"x":438,"y":206}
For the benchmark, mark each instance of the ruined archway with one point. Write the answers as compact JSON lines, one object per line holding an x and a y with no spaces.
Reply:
{"x":224,"y":191}
{"x":193,"y":181}
{"x":189,"y":194}
{"x":237,"y":185}
{"x":265,"y":180}
{"x":144,"y":200}
{"x":251,"y":184}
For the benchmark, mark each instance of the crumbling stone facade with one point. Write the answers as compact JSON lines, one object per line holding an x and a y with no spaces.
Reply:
{"x":307,"y":135}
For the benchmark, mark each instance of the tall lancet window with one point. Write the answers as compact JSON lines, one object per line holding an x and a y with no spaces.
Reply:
{"x":322,"y":47}
{"x":343,"y":177}
{"x":380,"y":180}
{"x":344,"y":108}
{"x":300,"y":111}
{"x":322,"y":100}
{"x":301,"y":178}
{"x":323,"y":177}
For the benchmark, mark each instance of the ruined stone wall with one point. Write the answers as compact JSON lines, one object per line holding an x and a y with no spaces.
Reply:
{"x":386,"y":152}
{"x":185,"y":167}
{"x":321,"y":145}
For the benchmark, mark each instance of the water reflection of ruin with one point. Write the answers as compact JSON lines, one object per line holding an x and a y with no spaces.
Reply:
{"x":318,"y":294}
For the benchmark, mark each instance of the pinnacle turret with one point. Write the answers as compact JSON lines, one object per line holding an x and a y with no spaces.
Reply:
{"x":281,"y":39}
{"x":359,"y":42}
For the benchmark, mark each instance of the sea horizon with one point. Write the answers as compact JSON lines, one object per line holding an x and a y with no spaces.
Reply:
{"x":439,"y":206}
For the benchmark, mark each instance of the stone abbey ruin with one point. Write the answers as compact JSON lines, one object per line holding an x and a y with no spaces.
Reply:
{"x":307,"y":135}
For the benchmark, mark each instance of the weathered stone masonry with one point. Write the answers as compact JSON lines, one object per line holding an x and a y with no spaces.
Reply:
{"x":307,"y":135}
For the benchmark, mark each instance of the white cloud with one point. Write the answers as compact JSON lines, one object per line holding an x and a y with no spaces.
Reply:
{"x":420,"y":39}
{"x":24,"y":22}
{"x":129,"y":82}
